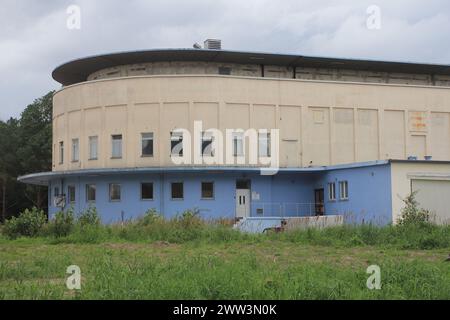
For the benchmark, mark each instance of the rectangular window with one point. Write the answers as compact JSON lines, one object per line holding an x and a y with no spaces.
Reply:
{"x":56,"y":192}
{"x":343,"y":189}
{"x":61,"y":152}
{"x":207,"y":190}
{"x":147,"y":191}
{"x":331,"y":191}
{"x":238,"y":144}
{"x":225,"y":70}
{"x":93,"y":147}
{"x":207,"y":144}
{"x":264,"y":144}
{"x":176,"y":143}
{"x":177,"y":190}
{"x":114,"y":192}
{"x":90,"y":192}
{"x":116,"y":146}
{"x":147,"y":144}
{"x":71,"y":194}
{"x":75,"y":150}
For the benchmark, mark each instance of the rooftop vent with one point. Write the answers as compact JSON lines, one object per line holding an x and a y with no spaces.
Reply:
{"x":213,"y":44}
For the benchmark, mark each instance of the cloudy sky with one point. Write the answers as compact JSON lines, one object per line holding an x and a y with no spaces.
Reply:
{"x":34,"y":37}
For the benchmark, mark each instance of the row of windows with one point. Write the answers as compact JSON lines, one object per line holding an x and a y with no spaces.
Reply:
{"x":176,"y":145}
{"x":343,"y":190}
{"x":115,"y":194}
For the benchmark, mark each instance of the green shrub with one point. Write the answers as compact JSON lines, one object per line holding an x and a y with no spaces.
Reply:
{"x":89,"y":217}
{"x":62,"y":224}
{"x":411,"y":213}
{"x":151,"y":216}
{"x":28,"y":223}
{"x":190,"y":218}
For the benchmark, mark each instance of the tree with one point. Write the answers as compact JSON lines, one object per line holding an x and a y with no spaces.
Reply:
{"x":35,"y":148}
{"x":8,"y":159}
{"x":25,"y":147}
{"x":412,"y":214}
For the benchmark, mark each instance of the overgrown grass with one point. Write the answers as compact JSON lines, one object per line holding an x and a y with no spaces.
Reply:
{"x":402,"y":237}
{"x":189,"y":258}
{"x":178,"y":230}
{"x":267,"y":269}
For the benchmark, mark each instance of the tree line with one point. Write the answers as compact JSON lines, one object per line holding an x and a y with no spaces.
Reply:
{"x":25,"y":147}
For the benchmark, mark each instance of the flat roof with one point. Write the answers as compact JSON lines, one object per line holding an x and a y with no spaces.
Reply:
{"x":78,"y":70}
{"x":42,"y":178}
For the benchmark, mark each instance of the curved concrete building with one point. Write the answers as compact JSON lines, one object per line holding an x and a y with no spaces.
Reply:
{"x":242,"y":134}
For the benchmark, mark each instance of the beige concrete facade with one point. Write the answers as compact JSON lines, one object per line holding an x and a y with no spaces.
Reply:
{"x":269,"y":71}
{"x":320,"y":122}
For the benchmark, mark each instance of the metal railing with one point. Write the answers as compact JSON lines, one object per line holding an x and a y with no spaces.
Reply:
{"x":284,"y":209}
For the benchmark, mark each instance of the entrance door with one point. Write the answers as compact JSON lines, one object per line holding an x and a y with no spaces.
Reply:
{"x":242,"y":198}
{"x":242,"y":203}
{"x":319,"y":200}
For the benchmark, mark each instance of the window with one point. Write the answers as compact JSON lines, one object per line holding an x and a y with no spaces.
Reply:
{"x":71,"y":193}
{"x":264,"y":144}
{"x":61,"y":152}
{"x":225,"y":70}
{"x":176,"y":143}
{"x":116,"y":146}
{"x":343,"y":189}
{"x":93,"y":147}
{"x":75,"y":150}
{"x":207,"y":144}
{"x":56,"y":191}
{"x":238,"y":144}
{"x":147,"y":144}
{"x":177,"y":190}
{"x":207,"y":190}
{"x":90,"y":192}
{"x":147,"y":191}
{"x":114,"y":192}
{"x":331,"y":191}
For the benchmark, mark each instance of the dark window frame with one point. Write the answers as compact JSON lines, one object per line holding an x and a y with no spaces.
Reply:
{"x":172,"y":190}
{"x":212,"y":190}
{"x":174,"y":143}
{"x":74,"y":189}
{"x":110,"y":194}
{"x":153,"y":191}
{"x":88,"y":185}
{"x":152,"y":139}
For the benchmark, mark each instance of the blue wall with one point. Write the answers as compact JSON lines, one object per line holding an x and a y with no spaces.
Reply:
{"x":289,"y":194}
{"x":369,"y":194}
{"x":280,"y":188}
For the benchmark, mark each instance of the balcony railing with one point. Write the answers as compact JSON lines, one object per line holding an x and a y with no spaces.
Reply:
{"x":287,"y":209}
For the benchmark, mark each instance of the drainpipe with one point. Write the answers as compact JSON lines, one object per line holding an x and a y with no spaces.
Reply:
{"x":161,"y":196}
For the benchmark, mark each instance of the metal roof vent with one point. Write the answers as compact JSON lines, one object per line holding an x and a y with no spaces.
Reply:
{"x":212,"y":44}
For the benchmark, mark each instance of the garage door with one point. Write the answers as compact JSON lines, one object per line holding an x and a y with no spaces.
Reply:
{"x":434,"y":195}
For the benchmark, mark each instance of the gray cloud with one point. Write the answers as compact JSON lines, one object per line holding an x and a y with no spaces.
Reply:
{"x":34,"y":38}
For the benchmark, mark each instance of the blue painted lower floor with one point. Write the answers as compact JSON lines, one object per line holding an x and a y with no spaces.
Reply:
{"x":362,"y":194}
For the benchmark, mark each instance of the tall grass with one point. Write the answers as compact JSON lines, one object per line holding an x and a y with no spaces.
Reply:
{"x":189,"y":227}
{"x":176,"y":231}
{"x":214,"y":272}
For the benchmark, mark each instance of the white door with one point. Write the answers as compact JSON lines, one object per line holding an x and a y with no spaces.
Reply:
{"x":242,"y":203}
